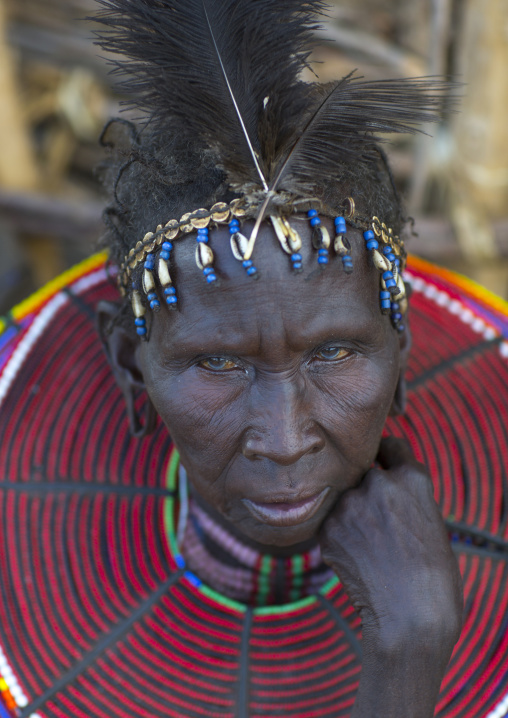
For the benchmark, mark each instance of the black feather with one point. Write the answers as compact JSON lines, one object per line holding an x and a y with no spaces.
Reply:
{"x":223,"y":72}
{"x":225,"y":75}
{"x":345,"y":120}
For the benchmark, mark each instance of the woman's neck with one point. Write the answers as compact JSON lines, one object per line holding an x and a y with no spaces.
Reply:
{"x":244,"y":570}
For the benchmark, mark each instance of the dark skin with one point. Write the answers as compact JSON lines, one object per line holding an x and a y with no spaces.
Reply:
{"x":278,"y":390}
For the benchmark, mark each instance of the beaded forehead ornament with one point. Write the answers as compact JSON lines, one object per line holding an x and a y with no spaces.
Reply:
{"x":224,"y":77}
{"x":386,"y":251}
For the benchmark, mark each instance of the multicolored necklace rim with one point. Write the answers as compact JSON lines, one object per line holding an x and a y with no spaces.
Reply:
{"x":195,"y":581}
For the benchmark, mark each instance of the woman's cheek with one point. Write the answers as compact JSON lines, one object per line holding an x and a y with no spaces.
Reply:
{"x":202,"y":417}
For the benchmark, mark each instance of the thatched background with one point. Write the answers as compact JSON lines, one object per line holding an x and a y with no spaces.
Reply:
{"x":55,"y":96}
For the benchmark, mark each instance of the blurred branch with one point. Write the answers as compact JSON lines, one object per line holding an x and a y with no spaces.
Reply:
{"x":38,"y":214}
{"x":441,"y":12}
{"x":352,"y":40}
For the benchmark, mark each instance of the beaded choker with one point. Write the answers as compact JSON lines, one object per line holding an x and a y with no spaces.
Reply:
{"x":386,"y":250}
{"x":237,"y":570}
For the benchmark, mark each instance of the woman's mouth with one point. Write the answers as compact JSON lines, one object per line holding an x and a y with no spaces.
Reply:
{"x":290,"y":513}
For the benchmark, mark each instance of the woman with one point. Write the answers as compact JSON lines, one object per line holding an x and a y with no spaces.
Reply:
{"x":273,"y":365}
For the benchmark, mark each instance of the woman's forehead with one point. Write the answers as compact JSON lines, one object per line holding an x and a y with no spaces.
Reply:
{"x":280,"y":305}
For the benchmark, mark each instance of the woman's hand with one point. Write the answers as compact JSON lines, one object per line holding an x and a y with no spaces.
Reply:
{"x":387,"y":542}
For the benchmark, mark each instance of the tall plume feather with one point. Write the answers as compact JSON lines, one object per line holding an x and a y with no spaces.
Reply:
{"x":226,"y":74}
{"x":216,"y":71}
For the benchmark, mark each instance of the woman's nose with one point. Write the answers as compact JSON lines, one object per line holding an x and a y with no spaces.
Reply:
{"x":283,"y":430}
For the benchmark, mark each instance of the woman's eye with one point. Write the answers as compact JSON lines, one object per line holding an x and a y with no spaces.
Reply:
{"x":332,"y":353}
{"x":218,"y":364}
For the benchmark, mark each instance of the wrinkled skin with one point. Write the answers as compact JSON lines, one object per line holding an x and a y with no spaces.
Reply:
{"x":278,"y":389}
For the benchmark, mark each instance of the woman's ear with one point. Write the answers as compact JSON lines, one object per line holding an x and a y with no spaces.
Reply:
{"x":400,"y":399}
{"x":121,"y":346}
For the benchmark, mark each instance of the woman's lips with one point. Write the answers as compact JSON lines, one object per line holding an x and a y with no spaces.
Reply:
{"x":286,"y":513}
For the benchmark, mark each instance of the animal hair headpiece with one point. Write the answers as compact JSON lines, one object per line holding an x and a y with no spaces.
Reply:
{"x":225,"y":75}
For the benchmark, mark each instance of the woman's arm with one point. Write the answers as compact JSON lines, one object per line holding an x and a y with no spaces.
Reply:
{"x":387,"y":542}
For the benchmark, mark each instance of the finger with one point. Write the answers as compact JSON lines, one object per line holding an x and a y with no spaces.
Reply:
{"x":395,"y":452}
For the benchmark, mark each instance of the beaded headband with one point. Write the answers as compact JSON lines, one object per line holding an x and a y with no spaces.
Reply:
{"x":386,"y":251}
{"x":223,"y":78}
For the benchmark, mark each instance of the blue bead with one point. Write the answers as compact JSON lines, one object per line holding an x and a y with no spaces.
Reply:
{"x":347,"y":260}
{"x":395,"y":307}
{"x":390,"y":257}
{"x":247,"y":263}
{"x":401,"y":328}
{"x":322,"y":260}
{"x":149,"y":264}
{"x":296,"y":257}
{"x":169,"y":291}
{"x":386,"y":250}
{"x":369,"y":234}
{"x":207,"y":271}
{"x":211,"y":278}
{"x":151,"y":296}
{"x":154,"y":304}
{"x":312,"y":213}
{"x":372,"y":244}
{"x":315,"y":222}
{"x":171,"y":300}
{"x":297,"y":265}
{"x":141,"y":331}
{"x":139,"y":322}
{"x":180,"y":561}
{"x":235,"y":224}
{"x":397,"y":262}
{"x":194,"y":580}
{"x":165,"y":255}
{"x":251,"y":271}
{"x":390,"y":283}
{"x":167,"y":246}
{"x":384,"y":294}
{"x":396,"y":316}
{"x":387,"y":275}
{"x":340,"y":220}
{"x":323,"y":252}
{"x":203,"y":230}
{"x":202,"y":238}
{"x":233,"y":230}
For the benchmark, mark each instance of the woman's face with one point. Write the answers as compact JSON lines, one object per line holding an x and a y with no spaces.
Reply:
{"x":274,"y":390}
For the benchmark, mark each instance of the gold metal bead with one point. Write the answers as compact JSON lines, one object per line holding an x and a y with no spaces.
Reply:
{"x":380,"y":261}
{"x":172,"y":229}
{"x":148,"y":281}
{"x":220,"y":212}
{"x":139,"y":245}
{"x":200,"y":218}
{"x":239,"y":243}
{"x":204,"y":255}
{"x":131,"y":251}
{"x":185,"y":225}
{"x":403,"y":305}
{"x":138,"y":307}
{"x":163,"y":273}
{"x":376,"y":226}
{"x":236,"y":210}
{"x":133,"y":263}
{"x":341,"y":245}
{"x":350,"y":212}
